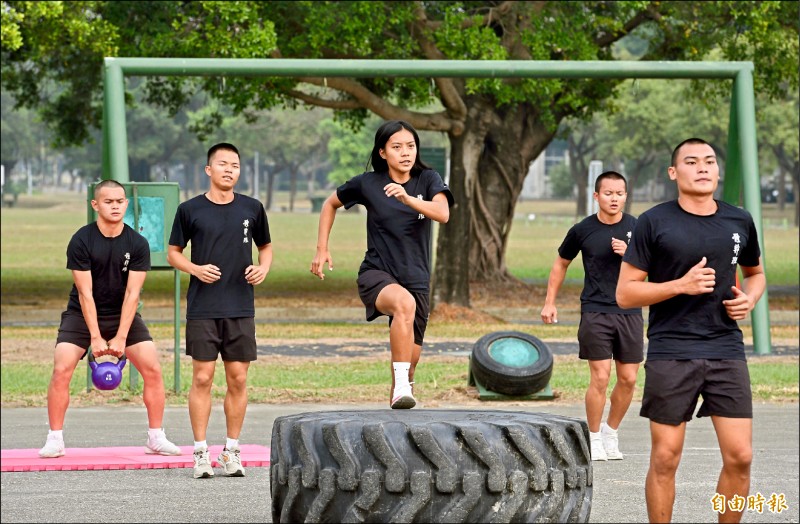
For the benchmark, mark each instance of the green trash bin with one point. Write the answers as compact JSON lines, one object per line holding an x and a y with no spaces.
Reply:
{"x":316,"y":204}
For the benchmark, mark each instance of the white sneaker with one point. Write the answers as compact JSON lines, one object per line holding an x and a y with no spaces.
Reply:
{"x":54,"y":447}
{"x":610,"y":442}
{"x":403,"y":398}
{"x":159,"y":445}
{"x":202,"y":464}
{"x":598,"y":451}
{"x":232,"y":462}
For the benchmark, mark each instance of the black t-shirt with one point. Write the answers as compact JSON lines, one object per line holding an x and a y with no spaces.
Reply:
{"x":109,"y":259}
{"x":223,"y":235}
{"x":666,"y":243}
{"x":398,"y":238}
{"x":592,"y":239}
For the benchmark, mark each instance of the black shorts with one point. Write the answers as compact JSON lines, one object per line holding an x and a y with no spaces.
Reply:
{"x":372,"y":281}
{"x":73,"y":330}
{"x":602,"y":336}
{"x":233,"y":338}
{"x":672,"y":388}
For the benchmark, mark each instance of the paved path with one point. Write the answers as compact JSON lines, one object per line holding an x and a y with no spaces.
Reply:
{"x":174,"y":496}
{"x":456,"y":348}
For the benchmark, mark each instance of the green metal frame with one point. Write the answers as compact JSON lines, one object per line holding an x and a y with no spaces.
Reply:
{"x":158,"y":259}
{"x":742,"y":176}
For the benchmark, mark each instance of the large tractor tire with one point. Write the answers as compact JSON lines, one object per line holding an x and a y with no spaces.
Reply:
{"x":511,"y":363}
{"x":430,"y":466}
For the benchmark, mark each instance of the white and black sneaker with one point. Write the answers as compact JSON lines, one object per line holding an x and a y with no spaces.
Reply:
{"x":403,"y":398}
{"x":202,"y":464}
{"x":232,"y":462}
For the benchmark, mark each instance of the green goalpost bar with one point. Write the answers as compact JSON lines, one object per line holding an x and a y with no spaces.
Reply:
{"x":741,"y":176}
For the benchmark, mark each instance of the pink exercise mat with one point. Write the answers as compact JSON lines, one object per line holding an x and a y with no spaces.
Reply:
{"x":133,"y":457}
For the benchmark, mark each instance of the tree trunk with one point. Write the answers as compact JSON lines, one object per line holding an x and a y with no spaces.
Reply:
{"x":793,"y":175}
{"x":632,"y":179}
{"x":73,"y":179}
{"x":139,"y":170}
{"x":790,"y":165}
{"x":270,"y":187}
{"x":196,"y":185}
{"x":580,"y":208}
{"x":578,"y":169}
{"x":781,"y":189}
{"x":639,"y":167}
{"x":310,"y":184}
{"x":796,"y":189}
{"x":489,"y":162}
{"x":450,"y":282}
{"x":496,"y":186}
{"x":292,"y":186}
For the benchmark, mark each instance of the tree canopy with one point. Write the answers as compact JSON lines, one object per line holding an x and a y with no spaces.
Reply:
{"x":52,"y":57}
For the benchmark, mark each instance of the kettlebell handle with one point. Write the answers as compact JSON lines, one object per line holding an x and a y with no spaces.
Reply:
{"x":93,"y":362}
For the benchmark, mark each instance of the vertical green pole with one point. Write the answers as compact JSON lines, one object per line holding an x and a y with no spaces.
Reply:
{"x":89,"y":220}
{"x":732,"y":190}
{"x":746,"y":121}
{"x":133,"y":373}
{"x":177,"y":287}
{"x":114,"y":111}
{"x":105,"y":173}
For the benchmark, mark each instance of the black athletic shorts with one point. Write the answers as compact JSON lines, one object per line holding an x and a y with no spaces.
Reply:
{"x":73,"y":329}
{"x":233,"y":338}
{"x":672,"y":388}
{"x":372,"y":281}
{"x":602,"y":336}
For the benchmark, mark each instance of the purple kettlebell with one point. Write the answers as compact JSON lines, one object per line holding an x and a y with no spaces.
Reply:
{"x":106,"y":375}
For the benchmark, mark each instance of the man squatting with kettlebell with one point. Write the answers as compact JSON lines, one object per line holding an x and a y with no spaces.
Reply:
{"x":109,"y":263}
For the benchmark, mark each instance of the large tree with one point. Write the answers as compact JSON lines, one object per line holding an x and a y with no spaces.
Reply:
{"x":21,"y":134}
{"x":645,"y":124}
{"x":778,"y":133}
{"x":496,"y":127}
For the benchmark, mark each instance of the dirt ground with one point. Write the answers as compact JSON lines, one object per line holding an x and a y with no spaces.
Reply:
{"x":40,"y":350}
{"x":35,"y":344}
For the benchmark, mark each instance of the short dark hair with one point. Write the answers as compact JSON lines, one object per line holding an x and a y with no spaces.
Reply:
{"x":382,"y":136}
{"x":224,"y":146}
{"x":108,"y":183}
{"x":611,"y":175}
{"x":687,"y":141}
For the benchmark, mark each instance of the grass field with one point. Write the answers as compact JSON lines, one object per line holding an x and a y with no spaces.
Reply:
{"x":33,"y":276}
{"x":35,"y":235}
{"x":281,"y":379}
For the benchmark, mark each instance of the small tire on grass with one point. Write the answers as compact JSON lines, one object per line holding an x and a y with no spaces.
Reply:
{"x":430,"y":466}
{"x":511,"y":363}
